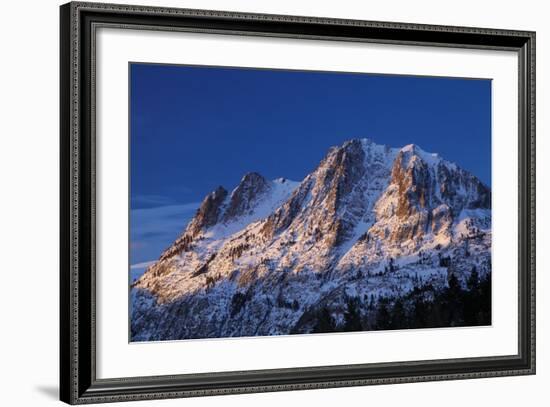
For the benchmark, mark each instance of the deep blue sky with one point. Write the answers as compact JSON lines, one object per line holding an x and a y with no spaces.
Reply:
{"x":194,"y":128}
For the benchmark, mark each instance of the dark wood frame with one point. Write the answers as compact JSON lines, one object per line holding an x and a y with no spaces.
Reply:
{"x":78,"y":382}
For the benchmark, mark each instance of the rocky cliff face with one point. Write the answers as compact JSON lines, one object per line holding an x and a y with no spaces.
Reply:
{"x":252,"y":187}
{"x":424,"y":196}
{"x":208,"y":213}
{"x":368,"y":221}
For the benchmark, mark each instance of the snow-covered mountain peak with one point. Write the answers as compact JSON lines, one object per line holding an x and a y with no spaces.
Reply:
{"x":413,"y":151}
{"x":374,"y":151}
{"x":289,"y":248}
{"x":411,"y":148}
{"x":366,"y":144}
{"x":246,"y":195}
{"x":209,"y":211}
{"x":251,"y":178}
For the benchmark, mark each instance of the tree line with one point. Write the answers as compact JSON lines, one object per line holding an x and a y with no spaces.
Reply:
{"x":423,"y":307}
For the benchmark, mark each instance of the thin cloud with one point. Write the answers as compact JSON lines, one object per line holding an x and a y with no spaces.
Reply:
{"x":143,"y":265}
{"x":151,"y":200}
{"x":153,"y":229}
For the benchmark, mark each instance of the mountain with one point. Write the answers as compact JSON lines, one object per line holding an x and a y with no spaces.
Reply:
{"x":370,"y":227}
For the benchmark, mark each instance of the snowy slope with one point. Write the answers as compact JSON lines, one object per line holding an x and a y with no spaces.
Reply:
{"x":370,"y":221}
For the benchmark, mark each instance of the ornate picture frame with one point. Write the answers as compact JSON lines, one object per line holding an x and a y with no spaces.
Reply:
{"x":79,"y":382}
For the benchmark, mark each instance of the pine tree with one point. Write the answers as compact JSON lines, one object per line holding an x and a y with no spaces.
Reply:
{"x":352,"y":318}
{"x":454,"y":299}
{"x":420,"y":313}
{"x":473,"y":280}
{"x":325,"y":322}
{"x":454,"y":285}
{"x":382,"y":315}
{"x":398,"y":316}
{"x":485,"y":300}
{"x":371,"y":302}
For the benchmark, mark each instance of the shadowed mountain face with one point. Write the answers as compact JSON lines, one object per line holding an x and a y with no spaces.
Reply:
{"x":370,"y":223}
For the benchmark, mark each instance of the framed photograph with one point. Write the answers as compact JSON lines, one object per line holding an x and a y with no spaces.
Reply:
{"x":255,"y":203}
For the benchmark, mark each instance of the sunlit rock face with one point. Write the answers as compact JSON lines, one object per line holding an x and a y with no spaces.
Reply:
{"x":369,"y":221}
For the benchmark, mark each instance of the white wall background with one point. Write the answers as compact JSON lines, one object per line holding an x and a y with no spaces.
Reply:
{"x":29,"y":163}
